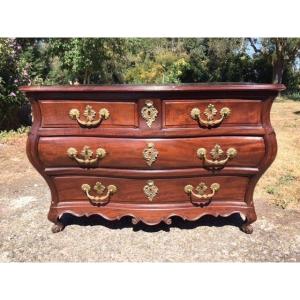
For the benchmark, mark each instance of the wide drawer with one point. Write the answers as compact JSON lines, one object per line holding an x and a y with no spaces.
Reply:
{"x":56,"y":113}
{"x":177,"y":113}
{"x":152,"y":153}
{"x":147,"y":191}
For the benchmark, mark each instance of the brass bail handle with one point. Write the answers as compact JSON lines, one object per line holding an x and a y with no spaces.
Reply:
{"x":90,"y":115}
{"x":216,"y":153}
{"x":87,"y":160}
{"x":99,"y":188}
{"x":210,"y":113}
{"x":203,"y":199}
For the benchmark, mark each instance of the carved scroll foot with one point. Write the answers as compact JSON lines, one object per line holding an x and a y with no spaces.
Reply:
{"x":246,"y":226}
{"x":53,"y":217}
{"x":57,"y":227}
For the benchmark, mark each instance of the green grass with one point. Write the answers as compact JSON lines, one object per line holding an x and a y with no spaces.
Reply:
{"x":291,"y":96}
{"x":6,"y":135}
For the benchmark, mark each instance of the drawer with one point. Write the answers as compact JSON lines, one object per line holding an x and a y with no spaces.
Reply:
{"x":156,"y":191}
{"x":56,"y":113}
{"x":177,"y":113}
{"x":153,"y":153}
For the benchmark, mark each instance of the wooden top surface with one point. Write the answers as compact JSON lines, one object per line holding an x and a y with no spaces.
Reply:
{"x":156,"y":87}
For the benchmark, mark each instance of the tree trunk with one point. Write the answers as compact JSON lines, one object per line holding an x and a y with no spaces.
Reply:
{"x":85,"y":76}
{"x":278,"y":62}
{"x":278,"y":71}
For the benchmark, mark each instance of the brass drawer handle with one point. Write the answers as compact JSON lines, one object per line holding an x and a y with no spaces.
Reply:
{"x":216,"y":153}
{"x":86,"y":153}
{"x":200,"y":193}
{"x":89,"y":114}
{"x":99,"y":188}
{"x":149,"y":113}
{"x":210,"y":113}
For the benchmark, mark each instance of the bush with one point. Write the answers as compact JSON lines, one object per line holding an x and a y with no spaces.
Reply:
{"x":13,"y":73}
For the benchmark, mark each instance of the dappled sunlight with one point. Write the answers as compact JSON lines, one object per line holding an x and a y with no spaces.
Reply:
{"x":281,"y":183}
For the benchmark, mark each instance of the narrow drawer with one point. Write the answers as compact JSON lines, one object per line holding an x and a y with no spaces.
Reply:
{"x":154,"y":153}
{"x":177,"y":113}
{"x":157,"y":191}
{"x":56,"y":113}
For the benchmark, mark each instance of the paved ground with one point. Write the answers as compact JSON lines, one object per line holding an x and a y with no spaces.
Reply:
{"x":26,"y":236}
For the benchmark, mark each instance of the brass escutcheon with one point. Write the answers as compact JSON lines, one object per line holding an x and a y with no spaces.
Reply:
{"x":149,"y":113}
{"x":150,"y":190}
{"x":150,"y":154}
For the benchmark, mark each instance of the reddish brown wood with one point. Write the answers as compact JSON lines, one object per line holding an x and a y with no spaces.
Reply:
{"x":158,"y":214}
{"x":177,"y":112}
{"x":157,"y":88}
{"x":56,"y":113}
{"x":131,"y":173}
{"x":155,"y":133}
{"x":172,"y":153}
{"x":170,"y":190}
{"x":176,"y":136}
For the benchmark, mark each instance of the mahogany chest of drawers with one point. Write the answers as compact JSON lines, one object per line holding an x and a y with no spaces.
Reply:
{"x":152,"y":152}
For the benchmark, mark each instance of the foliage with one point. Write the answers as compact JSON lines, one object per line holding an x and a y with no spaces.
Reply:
{"x":155,"y":61}
{"x":46,"y":61}
{"x":164,"y":68}
{"x":281,"y":53}
{"x":89,"y":60}
{"x":7,"y":135}
{"x":13,"y":72}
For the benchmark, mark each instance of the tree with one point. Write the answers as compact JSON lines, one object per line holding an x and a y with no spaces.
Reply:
{"x":216,"y":59}
{"x":90,"y":60}
{"x":138,"y":60}
{"x":13,"y":73}
{"x":155,"y":61}
{"x":281,"y":52}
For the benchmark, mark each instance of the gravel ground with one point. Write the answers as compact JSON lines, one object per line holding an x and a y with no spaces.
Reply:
{"x":26,"y":236}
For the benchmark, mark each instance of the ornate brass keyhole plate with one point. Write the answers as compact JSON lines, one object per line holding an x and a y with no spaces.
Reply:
{"x":150,"y":190}
{"x":149,"y":113}
{"x":150,"y":154}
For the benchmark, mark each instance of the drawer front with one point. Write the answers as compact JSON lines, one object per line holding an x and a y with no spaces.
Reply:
{"x":177,"y":113}
{"x":153,"y":153}
{"x":57,"y":113}
{"x":157,"y":191}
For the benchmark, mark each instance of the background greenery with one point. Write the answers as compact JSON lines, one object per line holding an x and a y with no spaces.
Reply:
{"x":47,"y":61}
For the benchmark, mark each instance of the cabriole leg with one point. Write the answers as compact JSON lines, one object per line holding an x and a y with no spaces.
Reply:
{"x":53,"y":217}
{"x":250,"y":218}
{"x":57,"y":227}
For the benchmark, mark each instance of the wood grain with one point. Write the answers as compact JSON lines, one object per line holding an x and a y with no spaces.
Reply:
{"x":56,"y":113}
{"x":172,"y":153}
{"x":170,"y":190}
{"x":177,"y":112}
{"x":175,"y":135}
